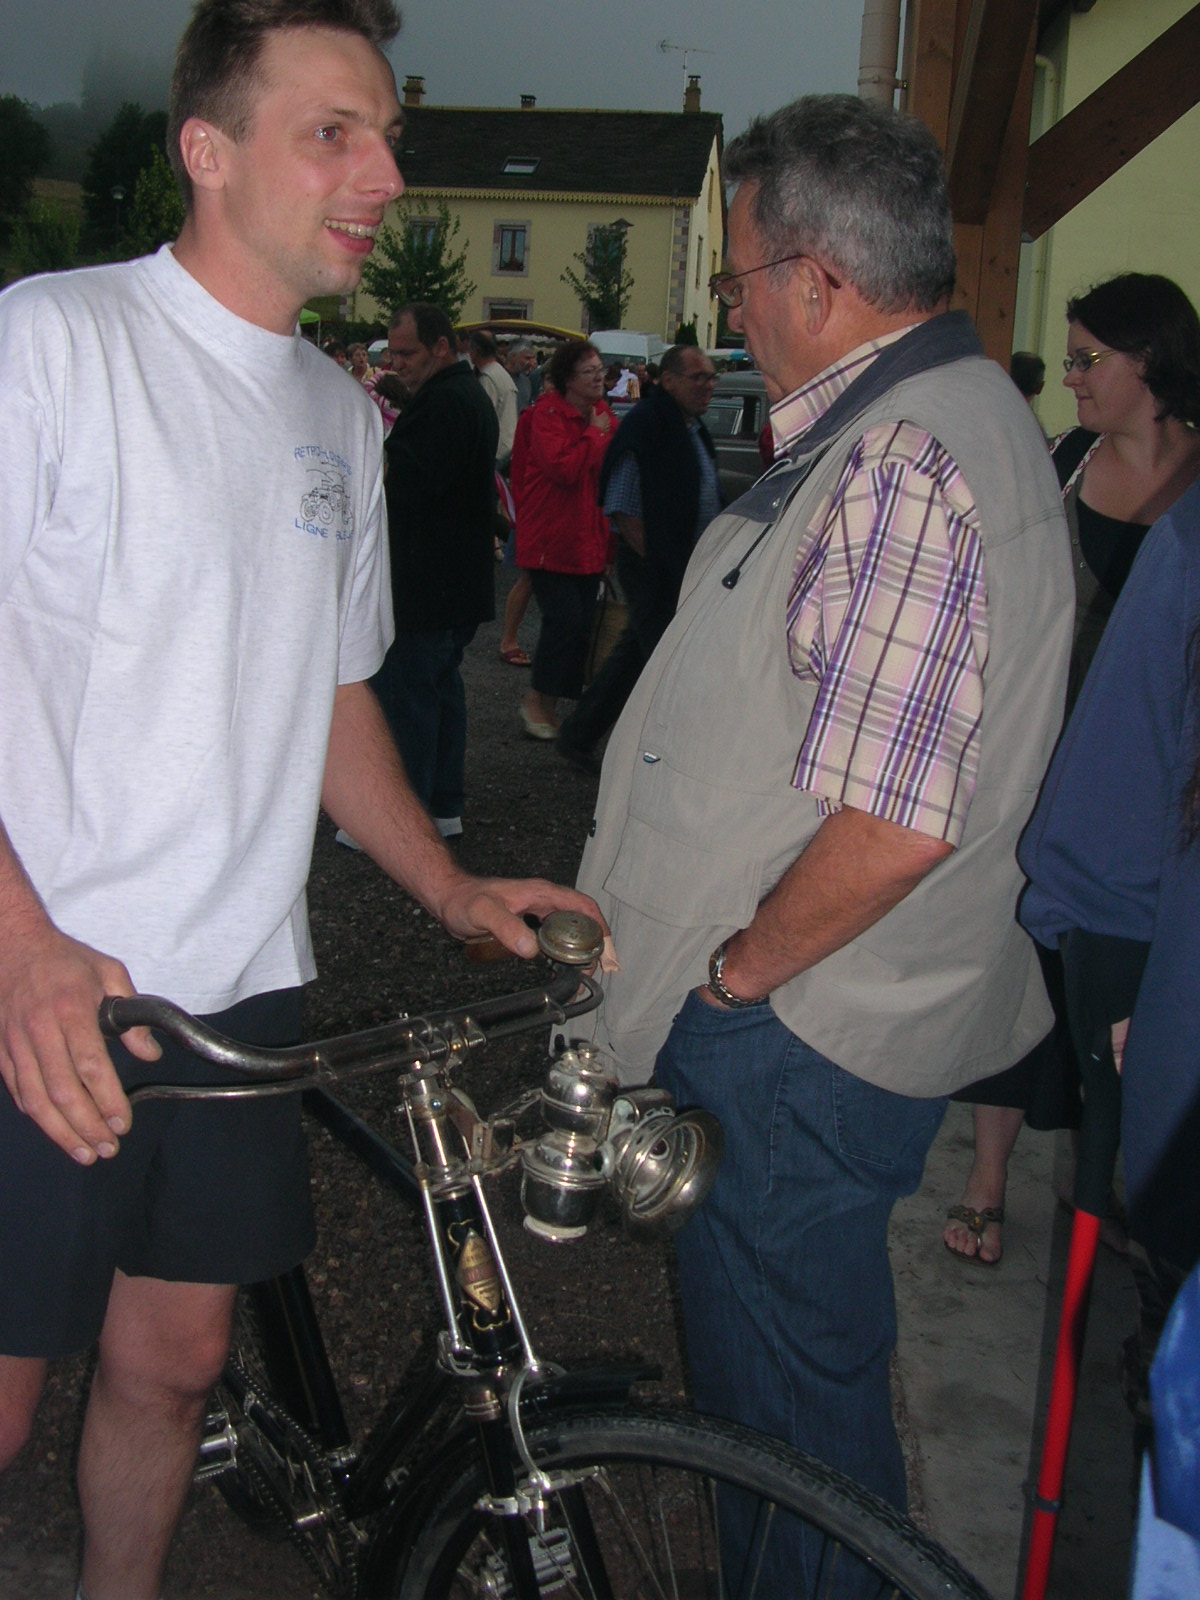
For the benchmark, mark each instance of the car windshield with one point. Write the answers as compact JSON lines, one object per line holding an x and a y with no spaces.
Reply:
{"x":723,"y":419}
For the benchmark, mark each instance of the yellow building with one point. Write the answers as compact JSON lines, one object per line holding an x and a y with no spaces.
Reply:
{"x":1145,"y":218}
{"x":527,"y":187}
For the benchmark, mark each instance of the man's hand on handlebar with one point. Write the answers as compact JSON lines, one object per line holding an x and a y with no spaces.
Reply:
{"x":52,"y":1057}
{"x":473,"y":907}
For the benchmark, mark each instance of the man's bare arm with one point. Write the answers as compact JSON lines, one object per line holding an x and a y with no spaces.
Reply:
{"x":52,"y":1057}
{"x":366,"y":791}
{"x":632,"y":530}
{"x":854,"y":870}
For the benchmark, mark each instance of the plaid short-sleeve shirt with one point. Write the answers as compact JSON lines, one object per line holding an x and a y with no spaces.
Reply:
{"x":887,"y":614}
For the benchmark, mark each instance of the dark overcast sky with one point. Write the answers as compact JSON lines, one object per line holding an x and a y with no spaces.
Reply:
{"x":489,"y":52}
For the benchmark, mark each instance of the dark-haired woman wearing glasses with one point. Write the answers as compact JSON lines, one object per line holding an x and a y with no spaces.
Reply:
{"x":1133,"y":365}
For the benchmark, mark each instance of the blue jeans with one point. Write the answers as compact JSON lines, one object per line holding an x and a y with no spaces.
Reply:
{"x":421,"y":691}
{"x":787,"y":1289}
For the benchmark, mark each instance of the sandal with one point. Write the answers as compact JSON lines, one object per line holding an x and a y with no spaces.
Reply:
{"x":514,"y":656}
{"x":975,"y":1222}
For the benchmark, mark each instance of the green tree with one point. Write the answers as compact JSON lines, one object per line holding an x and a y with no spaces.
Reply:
{"x":417,"y":261}
{"x":685,"y":333}
{"x":110,"y":178}
{"x":605,"y":284}
{"x":157,"y":212}
{"x":45,"y":239}
{"x":26,"y":146}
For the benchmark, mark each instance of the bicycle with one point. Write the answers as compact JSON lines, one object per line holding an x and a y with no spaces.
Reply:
{"x":499,"y":1474}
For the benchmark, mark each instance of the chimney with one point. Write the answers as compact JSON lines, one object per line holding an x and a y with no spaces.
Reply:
{"x":691,"y":95}
{"x":414,"y":90}
{"x":528,"y":101}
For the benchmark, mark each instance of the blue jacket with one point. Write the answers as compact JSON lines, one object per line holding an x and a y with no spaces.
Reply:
{"x":1104,"y":852}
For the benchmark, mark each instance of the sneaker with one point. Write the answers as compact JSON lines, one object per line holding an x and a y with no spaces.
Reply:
{"x":448,"y":827}
{"x":344,"y":838}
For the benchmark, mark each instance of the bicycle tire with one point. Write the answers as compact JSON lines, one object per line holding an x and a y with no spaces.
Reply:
{"x":650,"y":1482}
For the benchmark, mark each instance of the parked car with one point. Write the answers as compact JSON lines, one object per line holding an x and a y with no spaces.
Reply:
{"x":735,"y":417}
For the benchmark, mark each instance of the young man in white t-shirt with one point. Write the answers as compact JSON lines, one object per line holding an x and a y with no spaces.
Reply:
{"x":193,"y":592}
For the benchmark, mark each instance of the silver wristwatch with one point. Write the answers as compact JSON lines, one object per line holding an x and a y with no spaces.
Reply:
{"x":716,"y":965}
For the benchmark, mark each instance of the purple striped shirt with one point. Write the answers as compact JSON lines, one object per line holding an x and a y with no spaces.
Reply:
{"x":887,"y":614}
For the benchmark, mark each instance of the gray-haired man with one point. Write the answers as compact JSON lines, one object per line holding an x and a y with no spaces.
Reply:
{"x":808,"y":813}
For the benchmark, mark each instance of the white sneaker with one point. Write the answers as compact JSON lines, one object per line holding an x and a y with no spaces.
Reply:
{"x":343,"y":837}
{"x":448,"y":827}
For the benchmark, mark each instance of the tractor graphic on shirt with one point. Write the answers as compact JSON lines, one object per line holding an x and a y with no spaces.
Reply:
{"x":326,"y":501}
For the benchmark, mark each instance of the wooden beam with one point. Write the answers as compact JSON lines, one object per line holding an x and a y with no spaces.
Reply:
{"x":1114,"y":123}
{"x":989,"y":251}
{"x":929,"y":39}
{"x":993,"y":58}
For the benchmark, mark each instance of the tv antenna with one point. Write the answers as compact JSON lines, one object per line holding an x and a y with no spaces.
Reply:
{"x":687,"y":51}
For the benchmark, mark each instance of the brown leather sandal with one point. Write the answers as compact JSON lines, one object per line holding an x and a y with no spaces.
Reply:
{"x":975,"y":1222}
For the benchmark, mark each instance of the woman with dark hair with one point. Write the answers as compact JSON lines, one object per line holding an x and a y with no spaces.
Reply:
{"x":1133,"y":365}
{"x":562,"y":537}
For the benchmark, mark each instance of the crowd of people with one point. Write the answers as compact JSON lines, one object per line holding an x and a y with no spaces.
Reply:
{"x":837,"y":760}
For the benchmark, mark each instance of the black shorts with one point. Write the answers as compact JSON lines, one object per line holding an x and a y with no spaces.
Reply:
{"x":212,"y":1192}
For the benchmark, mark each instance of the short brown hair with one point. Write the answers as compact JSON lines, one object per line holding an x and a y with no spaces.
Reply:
{"x":430,"y":321}
{"x":217,"y":64}
{"x":564,"y":361}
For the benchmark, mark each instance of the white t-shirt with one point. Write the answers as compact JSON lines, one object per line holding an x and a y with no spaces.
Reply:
{"x":193,"y":555}
{"x":502,"y":392}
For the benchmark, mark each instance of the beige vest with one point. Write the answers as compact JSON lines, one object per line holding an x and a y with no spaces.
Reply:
{"x":697,"y":818}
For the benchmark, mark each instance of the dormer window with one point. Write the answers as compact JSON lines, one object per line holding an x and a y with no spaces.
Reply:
{"x":521,"y":166}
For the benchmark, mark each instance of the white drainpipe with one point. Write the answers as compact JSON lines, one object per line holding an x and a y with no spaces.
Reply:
{"x":879,"y":50}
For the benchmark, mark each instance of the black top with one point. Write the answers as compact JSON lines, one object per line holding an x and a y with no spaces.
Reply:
{"x":656,"y":433}
{"x":441,"y":503}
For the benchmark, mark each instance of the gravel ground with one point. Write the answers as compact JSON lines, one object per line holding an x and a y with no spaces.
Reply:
{"x":598,"y":1300}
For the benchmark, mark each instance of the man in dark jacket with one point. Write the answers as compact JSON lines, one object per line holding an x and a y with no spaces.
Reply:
{"x":441,"y":502}
{"x":659,"y":486}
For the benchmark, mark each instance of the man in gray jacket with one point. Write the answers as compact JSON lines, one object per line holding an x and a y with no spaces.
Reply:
{"x":809,"y":809}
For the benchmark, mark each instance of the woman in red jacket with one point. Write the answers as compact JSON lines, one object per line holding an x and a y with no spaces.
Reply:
{"x":563,"y":536}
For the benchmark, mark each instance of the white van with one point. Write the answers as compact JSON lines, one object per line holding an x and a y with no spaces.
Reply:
{"x":620,"y":345}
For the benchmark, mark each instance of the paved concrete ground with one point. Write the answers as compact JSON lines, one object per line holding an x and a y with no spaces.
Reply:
{"x":976,"y":1351}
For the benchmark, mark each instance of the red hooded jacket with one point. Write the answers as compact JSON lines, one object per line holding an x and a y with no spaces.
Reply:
{"x":554,"y":474}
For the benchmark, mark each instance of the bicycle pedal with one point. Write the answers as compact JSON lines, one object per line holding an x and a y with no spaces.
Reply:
{"x":218,"y":1447}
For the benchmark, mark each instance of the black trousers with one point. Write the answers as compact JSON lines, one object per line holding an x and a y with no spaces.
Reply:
{"x":651,"y":608}
{"x":567,"y":603}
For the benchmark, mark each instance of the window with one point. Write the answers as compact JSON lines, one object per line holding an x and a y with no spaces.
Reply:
{"x":421,"y":231}
{"x":513,"y":310}
{"x":521,"y":166}
{"x":510,"y":248}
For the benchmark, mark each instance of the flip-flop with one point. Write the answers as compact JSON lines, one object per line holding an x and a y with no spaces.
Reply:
{"x":515,"y":657}
{"x":975,"y":1222}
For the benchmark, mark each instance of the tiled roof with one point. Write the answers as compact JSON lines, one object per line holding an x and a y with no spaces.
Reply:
{"x":594,"y":152}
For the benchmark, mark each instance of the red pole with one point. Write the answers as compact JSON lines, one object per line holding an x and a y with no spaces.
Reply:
{"x":1082,"y":1258}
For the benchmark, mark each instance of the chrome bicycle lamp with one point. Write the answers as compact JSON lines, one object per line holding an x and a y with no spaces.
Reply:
{"x":658,"y":1165}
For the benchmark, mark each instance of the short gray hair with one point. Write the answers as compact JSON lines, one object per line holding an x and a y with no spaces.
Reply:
{"x":857,"y":186}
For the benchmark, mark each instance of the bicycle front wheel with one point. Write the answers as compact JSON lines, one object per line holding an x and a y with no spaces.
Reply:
{"x":651,"y":1506}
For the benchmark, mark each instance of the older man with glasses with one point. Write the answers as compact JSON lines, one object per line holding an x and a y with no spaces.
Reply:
{"x":809,"y":809}
{"x":659,"y":487}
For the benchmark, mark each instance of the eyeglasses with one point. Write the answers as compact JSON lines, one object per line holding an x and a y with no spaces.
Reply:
{"x":727,"y":286}
{"x":1085,"y":360}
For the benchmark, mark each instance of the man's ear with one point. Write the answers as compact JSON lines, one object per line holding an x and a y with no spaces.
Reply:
{"x":203,"y":148}
{"x":816,"y":297}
